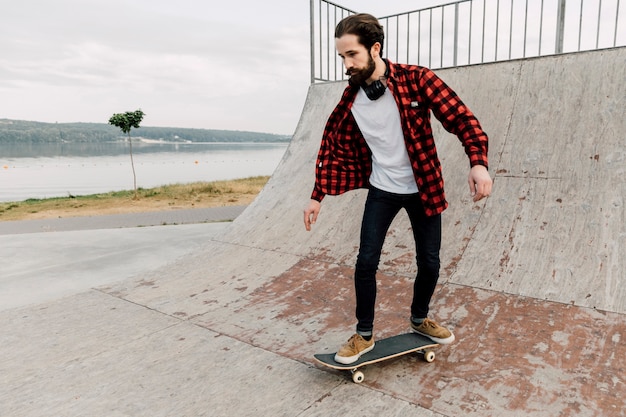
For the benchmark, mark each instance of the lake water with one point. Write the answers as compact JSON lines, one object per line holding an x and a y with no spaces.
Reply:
{"x":45,"y":170}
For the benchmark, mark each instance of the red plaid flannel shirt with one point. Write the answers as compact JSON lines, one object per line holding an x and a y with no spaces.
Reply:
{"x":344,"y":160}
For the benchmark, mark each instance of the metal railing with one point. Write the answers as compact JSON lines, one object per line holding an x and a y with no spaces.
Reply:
{"x":469,"y":32}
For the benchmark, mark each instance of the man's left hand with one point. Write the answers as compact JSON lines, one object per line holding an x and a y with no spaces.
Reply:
{"x":480,"y":182}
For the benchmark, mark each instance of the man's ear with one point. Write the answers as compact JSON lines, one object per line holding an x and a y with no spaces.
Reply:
{"x":375,"y":50}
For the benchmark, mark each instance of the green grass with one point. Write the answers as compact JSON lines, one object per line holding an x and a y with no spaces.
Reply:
{"x":198,"y":194}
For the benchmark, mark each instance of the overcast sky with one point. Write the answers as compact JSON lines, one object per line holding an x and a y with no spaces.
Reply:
{"x":214,"y":64}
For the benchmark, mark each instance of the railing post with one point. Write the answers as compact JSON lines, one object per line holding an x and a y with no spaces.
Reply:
{"x":560,"y":27}
{"x":312,"y":46}
{"x":456,"y":33}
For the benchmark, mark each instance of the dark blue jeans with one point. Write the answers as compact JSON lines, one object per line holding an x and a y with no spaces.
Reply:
{"x":381,"y":208}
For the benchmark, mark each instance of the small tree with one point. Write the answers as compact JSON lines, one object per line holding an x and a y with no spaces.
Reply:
{"x":127,"y":121}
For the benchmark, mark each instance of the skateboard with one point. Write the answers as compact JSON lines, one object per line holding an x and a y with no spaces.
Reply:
{"x":388,"y":348}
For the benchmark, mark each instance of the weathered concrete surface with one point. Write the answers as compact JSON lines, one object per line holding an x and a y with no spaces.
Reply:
{"x":94,"y":354}
{"x":533,"y":280}
{"x":556,"y":220}
{"x":132,"y":361}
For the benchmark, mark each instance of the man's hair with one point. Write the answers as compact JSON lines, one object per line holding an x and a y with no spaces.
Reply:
{"x":365,"y":27}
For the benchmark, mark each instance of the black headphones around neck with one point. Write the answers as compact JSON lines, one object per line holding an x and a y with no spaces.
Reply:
{"x":375,"y":90}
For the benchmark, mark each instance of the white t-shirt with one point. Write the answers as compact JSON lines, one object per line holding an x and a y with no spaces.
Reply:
{"x":379,"y":121}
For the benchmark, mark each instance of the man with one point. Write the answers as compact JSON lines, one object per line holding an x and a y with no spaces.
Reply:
{"x":379,"y":137}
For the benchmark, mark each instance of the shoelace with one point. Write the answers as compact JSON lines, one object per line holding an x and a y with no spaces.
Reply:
{"x":429,"y":323}
{"x":352,"y":341}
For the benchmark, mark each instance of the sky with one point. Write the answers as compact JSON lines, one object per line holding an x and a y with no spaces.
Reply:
{"x":209,"y":64}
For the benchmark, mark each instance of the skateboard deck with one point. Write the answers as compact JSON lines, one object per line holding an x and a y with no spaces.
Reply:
{"x":388,"y":348}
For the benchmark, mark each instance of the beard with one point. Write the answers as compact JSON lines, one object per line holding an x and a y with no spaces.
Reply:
{"x":358,"y":76}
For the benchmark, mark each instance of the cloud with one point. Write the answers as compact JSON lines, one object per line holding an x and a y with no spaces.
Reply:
{"x":186,"y":63}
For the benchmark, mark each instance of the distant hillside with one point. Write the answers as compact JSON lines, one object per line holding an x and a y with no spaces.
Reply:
{"x":12,"y":131}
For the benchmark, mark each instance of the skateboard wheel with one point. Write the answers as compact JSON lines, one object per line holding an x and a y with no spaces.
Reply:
{"x":358,"y":377}
{"x":429,"y":356}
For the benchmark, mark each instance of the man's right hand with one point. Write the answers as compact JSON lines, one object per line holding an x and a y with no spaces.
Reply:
{"x":310,"y":214}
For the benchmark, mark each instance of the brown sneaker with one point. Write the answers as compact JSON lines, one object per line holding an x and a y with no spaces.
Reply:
{"x":353,"y":349}
{"x":435,"y":332}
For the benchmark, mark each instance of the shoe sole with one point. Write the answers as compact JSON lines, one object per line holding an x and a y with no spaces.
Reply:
{"x":351,"y":359}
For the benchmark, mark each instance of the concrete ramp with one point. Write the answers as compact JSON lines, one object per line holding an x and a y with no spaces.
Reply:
{"x":533,"y":279}
{"x":555,"y":224}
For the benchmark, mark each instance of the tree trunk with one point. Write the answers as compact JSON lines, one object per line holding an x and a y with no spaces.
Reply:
{"x":132,"y":164}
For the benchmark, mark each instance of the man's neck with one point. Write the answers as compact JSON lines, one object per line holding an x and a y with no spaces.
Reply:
{"x":379,"y":72}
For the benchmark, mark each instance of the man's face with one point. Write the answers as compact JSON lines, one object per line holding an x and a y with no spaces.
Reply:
{"x":356,"y":58}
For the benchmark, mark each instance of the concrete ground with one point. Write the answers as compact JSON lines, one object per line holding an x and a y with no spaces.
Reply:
{"x":69,"y":348}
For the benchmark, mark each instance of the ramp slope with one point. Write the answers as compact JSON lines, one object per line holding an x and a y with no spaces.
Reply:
{"x":533,"y":278}
{"x":555,"y":225}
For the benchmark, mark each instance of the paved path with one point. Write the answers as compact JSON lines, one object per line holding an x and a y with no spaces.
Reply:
{"x":155,"y":218}
{"x":47,"y":259}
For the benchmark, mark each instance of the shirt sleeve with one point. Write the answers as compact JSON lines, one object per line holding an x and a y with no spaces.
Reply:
{"x":456,"y":117}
